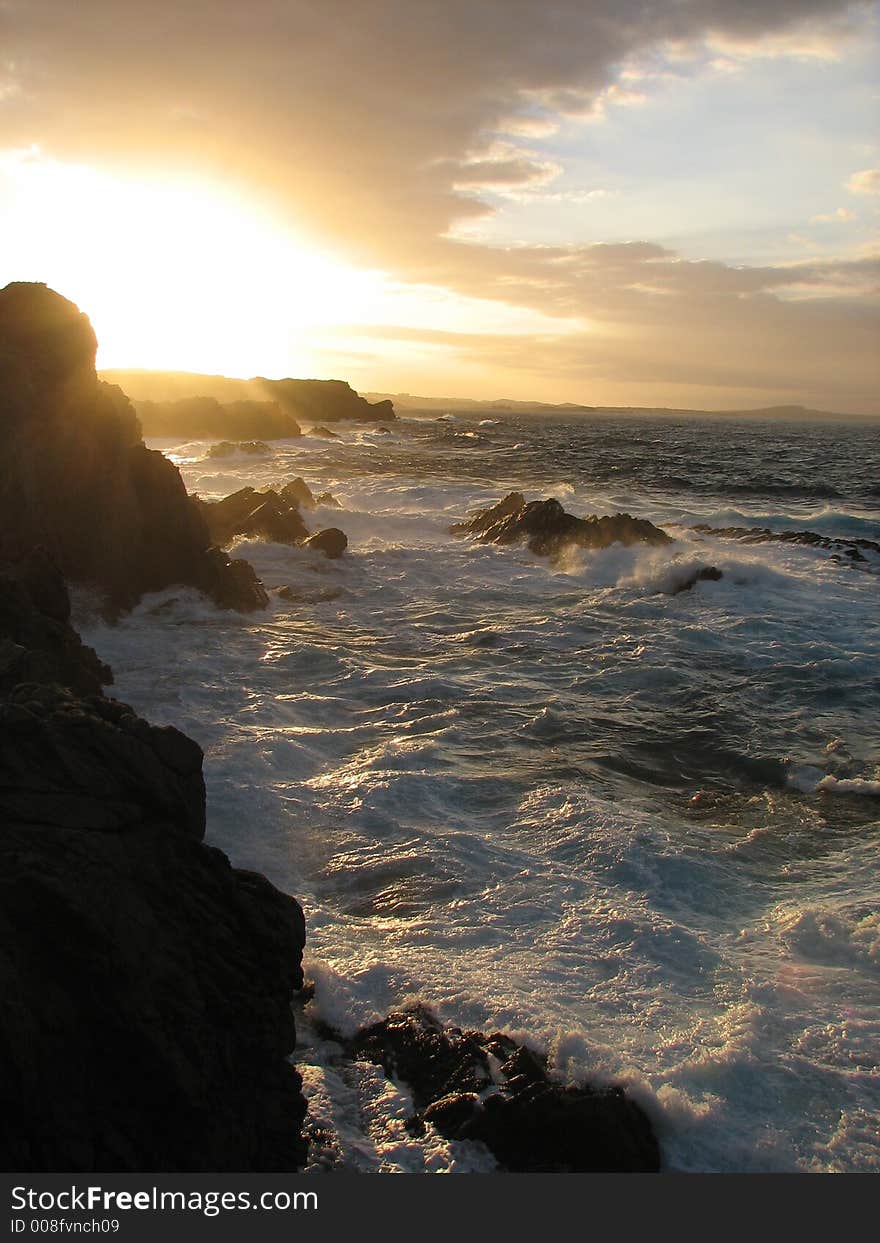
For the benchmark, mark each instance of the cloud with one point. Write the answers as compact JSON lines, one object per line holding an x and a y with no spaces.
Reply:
{"x":840,"y":215}
{"x":503,"y":168}
{"x":676,"y":330}
{"x":865,"y":182}
{"x":372,"y":127}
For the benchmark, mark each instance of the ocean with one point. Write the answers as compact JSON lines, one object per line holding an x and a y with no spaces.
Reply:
{"x":634,"y":828}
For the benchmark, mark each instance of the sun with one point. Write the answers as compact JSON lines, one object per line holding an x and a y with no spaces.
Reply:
{"x":173,"y":274}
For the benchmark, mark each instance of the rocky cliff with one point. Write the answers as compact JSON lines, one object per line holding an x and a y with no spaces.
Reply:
{"x":76,"y":478}
{"x":179,"y":403}
{"x":145,"y":984}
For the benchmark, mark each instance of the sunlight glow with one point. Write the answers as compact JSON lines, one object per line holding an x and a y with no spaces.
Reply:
{"x":174,"y":275}
{"x":189,"y":276}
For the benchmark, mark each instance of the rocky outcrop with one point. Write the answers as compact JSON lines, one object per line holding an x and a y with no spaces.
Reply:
{"x":145,"y":984}
{"x":323,"y":433}
{"x":203,"y":418}
{"x":77,"y":479}
{"x":272,"y":515}
{"x":547,"y":529}
{"x":256,"y":515}
{"x":201,"y":407}
{"x":325,"y":401}
{"x":489,"y":1088}
{"x":853,"y":549}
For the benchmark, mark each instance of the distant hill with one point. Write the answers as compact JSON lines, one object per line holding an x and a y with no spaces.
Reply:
{"x":170,"y":403}
{"x":407,"y":402}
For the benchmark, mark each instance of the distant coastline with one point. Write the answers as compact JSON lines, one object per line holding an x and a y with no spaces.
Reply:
{"x":409,"y":403}
{"x":149,"y":385}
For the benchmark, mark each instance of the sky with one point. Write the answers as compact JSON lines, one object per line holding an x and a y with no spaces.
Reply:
{"x":609,"y":202}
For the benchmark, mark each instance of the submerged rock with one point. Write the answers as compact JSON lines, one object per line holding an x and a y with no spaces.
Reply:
{"x":145,"y":1016}
{"x":491,"y":1089}
{"x":705,"y":574}
{"x":76,"y":477}
{"x":324,"y":433}
{"x":229,"y":448}
{"x":548,"y":529}
{"x":854,"y":549}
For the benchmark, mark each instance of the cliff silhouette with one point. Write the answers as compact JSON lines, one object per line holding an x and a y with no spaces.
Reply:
{"x":76,"y":478}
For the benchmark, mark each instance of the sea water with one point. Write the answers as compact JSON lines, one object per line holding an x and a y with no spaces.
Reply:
{"x":634,"y":828}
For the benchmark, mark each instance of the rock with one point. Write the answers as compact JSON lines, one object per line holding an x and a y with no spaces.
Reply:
{"x":383,"y":431}
{"x":36,"y":642}
{"x":232,"y":583}
{"x":260,"y":515}
{"x":325,"y":401}
{"x":706,"y":573}
{"x":331,"y":542}
{"x":202,"y":418}
{"x":77,"y":479}
{"x":270,"y":515}
{"x":273,"y":520}
{"x":145,"y":1018}
{"x":853,"y":549}
{"x":320,"y":595}
{"x":324,"y":433}
{"x":88,"y":763}
{"x":298,"y":493}
{"x":229,"y":448}
{"x":489,"y":1088}
{"x":548,"y":529}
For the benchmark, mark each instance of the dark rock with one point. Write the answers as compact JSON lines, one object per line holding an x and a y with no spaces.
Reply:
{"x":324,"y":433}
{"x":548,"y":529}
{"x":854,"y":549}
{"x":270,"y":515}
{"x":229,"y":448}
{"x":145,"y":1018}
{"x":36,"y":643}
{"x":331,"y":542}
{"x":328,"y":499}
{"x":298,"y":493}
{"x":273,"y":520}
{"x":488,"y":1088}
{"x":232,"y":583}
{"x":76,"y":478}
{"x":706,"y":573}
{"x":94,"y":765}
{"x":259,"y":515}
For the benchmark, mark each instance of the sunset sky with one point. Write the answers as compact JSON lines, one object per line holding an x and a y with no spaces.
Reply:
{"x":600,"y":201}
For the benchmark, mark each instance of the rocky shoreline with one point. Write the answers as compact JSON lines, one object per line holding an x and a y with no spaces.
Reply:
{"x":145,"y":1014}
